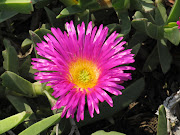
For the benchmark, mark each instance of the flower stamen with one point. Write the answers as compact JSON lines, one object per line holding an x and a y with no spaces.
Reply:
{"x":84,"y":74}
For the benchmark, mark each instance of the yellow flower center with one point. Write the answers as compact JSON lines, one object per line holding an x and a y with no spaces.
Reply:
{"x":84,"y":74}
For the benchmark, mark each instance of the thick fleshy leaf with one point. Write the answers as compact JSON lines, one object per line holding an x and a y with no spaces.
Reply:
{"x":89,"y":4}
{"x":35,"y":39}
{"x":172,"y":34}
{"x":25,"y":67}
{"x":18,"y":84}
{"x":52,"y":18}
{"x":165,"y":57}
{"x":171,"y":25}
{"x":102,"y":132}
{"x":138,"y":15}
{"x":152,"y":61}
{"x":140,"y":24}
{"x":70,"y":11}
{"x":160,"y":14}
{"x":135,"y":49}
{"x":11,"y":62}
{"x":4,"y":15}
{"x":12,"y":121}
{"x":130,"y":94}
{"x":137,"y":38}
{"x":41,"y":32}
{"x":20,"y":6}
{"x":26,"y":45}
{"x":125,"y":22}
{"x":175,"y":12}
{"x":41,"y":125}
{"x":69,"y":2}
{"x":162,"y":122}
{"x":142,"y":5}
{"x":155,"y":31}
{"x":21,"y":104}
{"x":121,"y":4}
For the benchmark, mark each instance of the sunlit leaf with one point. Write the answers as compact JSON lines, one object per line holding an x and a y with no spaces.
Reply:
{"x":162,"y":122}
{"x":20,"y":6}
{"x":21,"y":104}
{"x":26,"y":45}
{"x":102,"y":132}
{"x":172,"y":34}
{"x":12,"y":121}
{"x":18,"y":84}
{"x":70,"y":11}
{"x":41,"y":125}
{"x":175,"y":12}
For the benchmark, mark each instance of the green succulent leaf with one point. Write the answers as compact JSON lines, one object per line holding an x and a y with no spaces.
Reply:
{"x":175,"y":12}
{"x":12,"y":121}
{"x":172,"y":34}
{"x":4,"y":15}
{"x":70,"y":11}
{"x":20,"y":6}
{"x":52,"y":17}
{"x":26,"y":45}
{"x":25,"y":67}
{"x":102,"y":132}
{"x":152,"y":61}
{"x":138,"y":15}
{"x":140,"y":24}
{"x":69,"y":2}
{"x":41,"y":33}
{"x":160,"y":14}
{"x":135,"y":49}
{"x":89,"y":4}
{"x":155,"y":31}
{"x":18,"y":84}
{"x":121,"y":4}
{"x":42,"y":125}
{"x":170,"y":25}
{"x":137,"y":38}
{"x":142,"y":5}
{"x":162,"y":122}
{"x":11,"y":62}
{"x":35,"y":39}
{"x":21,"y":104}
{"x":165,"y":57}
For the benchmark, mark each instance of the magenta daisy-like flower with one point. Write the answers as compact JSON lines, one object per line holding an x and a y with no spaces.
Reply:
{"x":83,"y":67}
{"x":178,"y":23}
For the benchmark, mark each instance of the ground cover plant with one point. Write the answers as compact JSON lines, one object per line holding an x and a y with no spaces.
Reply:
{"x":88,"y":66}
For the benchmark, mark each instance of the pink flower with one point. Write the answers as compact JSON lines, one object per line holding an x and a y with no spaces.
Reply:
{"x":83,"y":66}
{"x":178,"y":23}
